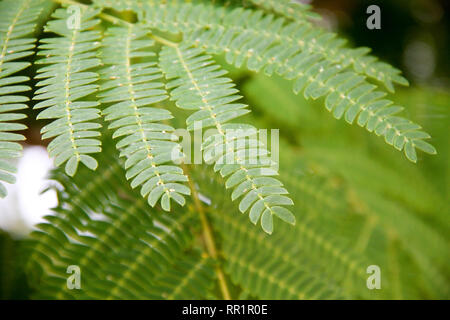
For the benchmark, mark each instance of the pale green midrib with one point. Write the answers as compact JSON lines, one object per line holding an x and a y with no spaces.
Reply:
{"x":219,"y":127}
{"x":137,"y":114}
{"x":67,"y":93}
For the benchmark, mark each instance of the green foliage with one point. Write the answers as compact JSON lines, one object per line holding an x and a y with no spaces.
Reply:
{"x":69,"y":59}
{"x":315,"y":60}
{"x":289,"y":9}
{"x":101,"y":221}
{"x":199,"y":85}
{"x":147,"y":144}
{"x":19,"y":19}
{"x":115,"y":87}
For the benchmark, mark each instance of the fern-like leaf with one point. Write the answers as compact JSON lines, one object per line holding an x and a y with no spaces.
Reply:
{"x":288,"y":8}
{"x":197,"y":84}
{"x":314,"y":59}
{"x":267,"y":40}
{"x":147,"y":144}
{"x":18,"y":21}
{"x":68,"y":79}
{"x":120,"y":246}
{"x":191,"y":278}
{"x":316,"y":62}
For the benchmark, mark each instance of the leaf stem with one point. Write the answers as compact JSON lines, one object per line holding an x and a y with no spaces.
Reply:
{"x":117,"y":21}
{"x":164,"y":41}
{"x":208,"y":238}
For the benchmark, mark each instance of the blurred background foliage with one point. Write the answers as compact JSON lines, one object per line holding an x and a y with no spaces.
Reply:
{"x":398,"y":208}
